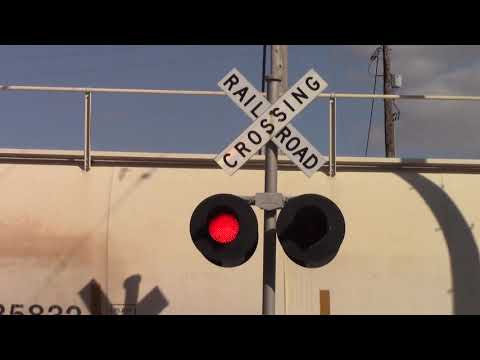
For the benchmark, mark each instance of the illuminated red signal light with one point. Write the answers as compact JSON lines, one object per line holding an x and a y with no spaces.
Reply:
{"x":224,"y":228}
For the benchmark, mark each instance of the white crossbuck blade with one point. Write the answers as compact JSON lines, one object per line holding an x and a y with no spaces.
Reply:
{"x":289,"y":140}
{"x":271,"y":123}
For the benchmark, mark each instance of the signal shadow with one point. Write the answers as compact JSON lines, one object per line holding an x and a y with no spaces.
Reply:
{"x":98,"y":302}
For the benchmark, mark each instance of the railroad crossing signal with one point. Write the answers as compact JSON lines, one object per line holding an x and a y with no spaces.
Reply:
{"x":310,"y":227}
{"x":269,"y":125}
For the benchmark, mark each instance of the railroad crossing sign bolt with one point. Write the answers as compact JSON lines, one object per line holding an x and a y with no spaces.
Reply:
{"x":272,"y":78}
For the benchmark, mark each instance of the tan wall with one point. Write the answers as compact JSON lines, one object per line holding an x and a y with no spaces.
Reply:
{"x":410,"y":245}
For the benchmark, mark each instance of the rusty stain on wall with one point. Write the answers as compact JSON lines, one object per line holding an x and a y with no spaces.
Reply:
{"x":324,"y":302}
{"x":28,"y":238}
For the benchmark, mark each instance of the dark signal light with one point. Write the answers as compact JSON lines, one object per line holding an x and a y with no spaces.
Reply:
{"x":224,"y":229}
{"x":311,"y":229}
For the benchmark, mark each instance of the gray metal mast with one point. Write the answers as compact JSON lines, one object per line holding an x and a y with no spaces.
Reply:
{"x":277,"y":85}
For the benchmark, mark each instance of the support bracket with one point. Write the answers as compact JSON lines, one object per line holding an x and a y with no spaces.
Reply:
{"x":266,"y":201}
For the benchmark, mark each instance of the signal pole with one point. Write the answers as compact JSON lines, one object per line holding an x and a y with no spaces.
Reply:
{"x":277,"y":85}
{"x":387,"y":90}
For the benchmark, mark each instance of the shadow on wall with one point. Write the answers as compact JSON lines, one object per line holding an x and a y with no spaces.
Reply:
{"x":463,"y":251}
{"x":98,"y":302}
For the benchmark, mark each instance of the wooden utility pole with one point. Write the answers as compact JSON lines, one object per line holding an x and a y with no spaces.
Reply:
{"x":387,"y":90}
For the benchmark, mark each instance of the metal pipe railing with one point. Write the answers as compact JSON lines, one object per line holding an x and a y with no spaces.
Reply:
{"x":88,"y":91}
{"x":221,"y":93}
{"x":399,"y":97}
{"x":108,"y":90}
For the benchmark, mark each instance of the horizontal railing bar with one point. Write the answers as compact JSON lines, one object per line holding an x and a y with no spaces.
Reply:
{"x":398,"y":97}
{"x":221,"y":93}
{"x":108,"y":90}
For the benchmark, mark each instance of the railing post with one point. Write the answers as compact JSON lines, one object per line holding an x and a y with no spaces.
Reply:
{"x":333,"y":135}
{"x":87,"y":161}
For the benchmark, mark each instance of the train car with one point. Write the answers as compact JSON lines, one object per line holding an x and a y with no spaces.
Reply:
{"x":117,"y":240}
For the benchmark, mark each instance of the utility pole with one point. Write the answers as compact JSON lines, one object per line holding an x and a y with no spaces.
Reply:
{"x":277,"y":85}
{"x":387,"y":90}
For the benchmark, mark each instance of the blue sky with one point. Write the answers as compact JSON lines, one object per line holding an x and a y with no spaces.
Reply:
{"x":176,"y":123}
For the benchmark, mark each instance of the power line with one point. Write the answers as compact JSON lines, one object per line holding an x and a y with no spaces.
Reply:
{"x":374,"y":57}
{"x":264,"y":68}
{"x":264,"y":65}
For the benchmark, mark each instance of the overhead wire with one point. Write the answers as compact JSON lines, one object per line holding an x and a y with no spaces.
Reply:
{"x":373,"y":58}
{"x":264,"y":66}
{"x":264,"y":69}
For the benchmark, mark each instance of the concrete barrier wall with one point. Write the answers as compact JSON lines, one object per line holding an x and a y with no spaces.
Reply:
{"x":75,"y":241}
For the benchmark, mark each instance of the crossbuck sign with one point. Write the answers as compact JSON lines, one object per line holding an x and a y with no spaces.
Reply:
{"x":270,"y":122}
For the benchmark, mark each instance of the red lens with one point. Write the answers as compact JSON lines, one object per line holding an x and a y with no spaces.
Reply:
{"x":224,"y":228}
